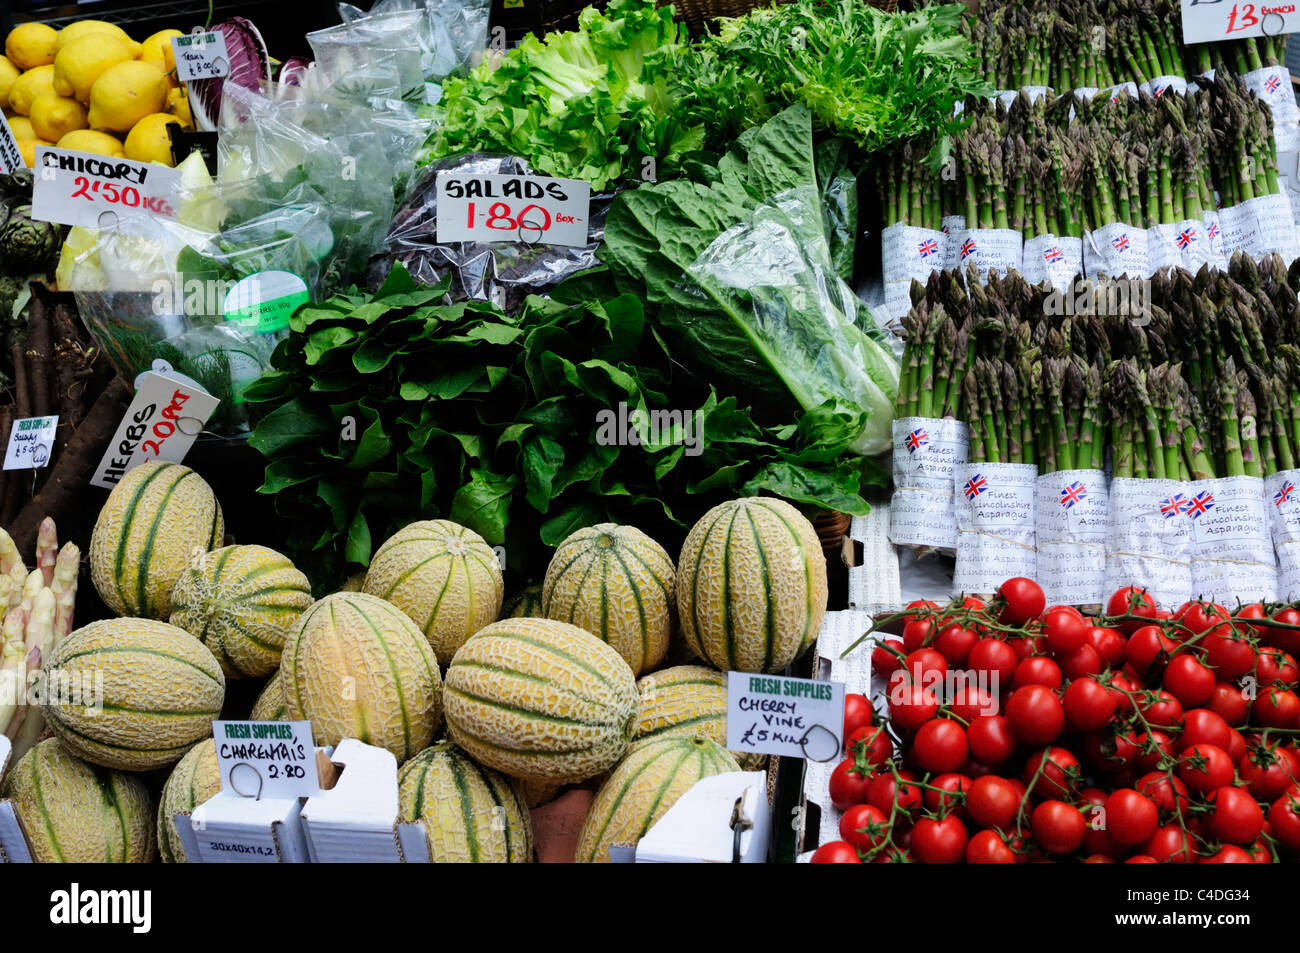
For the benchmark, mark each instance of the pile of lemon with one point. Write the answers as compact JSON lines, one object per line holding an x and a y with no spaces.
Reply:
{"x":89,"y":87}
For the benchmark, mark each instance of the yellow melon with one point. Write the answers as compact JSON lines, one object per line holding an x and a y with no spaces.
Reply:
{"x":193,"y":781}
{"x":688,"y":700}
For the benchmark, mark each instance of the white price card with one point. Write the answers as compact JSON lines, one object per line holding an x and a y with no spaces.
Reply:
{"x":78,"y":188}
{"x":1209,"y":21}
{"x":201,"y":56}
{"x":31,"y":441}
{"x":792,"y":717}
{"x":162,"y":423}
{"x":11,"y":160}
{"x":533,"y":209}
{"x":266,"y":759}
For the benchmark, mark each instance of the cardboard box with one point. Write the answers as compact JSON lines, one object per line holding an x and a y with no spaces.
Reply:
{"x":14,"y":848}
{"x":702,"y":826}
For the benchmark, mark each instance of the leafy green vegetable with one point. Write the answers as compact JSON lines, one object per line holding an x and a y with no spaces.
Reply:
{"x":392,"y":408}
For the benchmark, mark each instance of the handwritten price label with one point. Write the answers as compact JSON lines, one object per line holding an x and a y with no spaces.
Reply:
{"x":161,"y":424}
{"x":266,"y":758}
{"x":201,"y":56}
{"x":1209,"y":21}
{"x":77,"y":188}
{"x":533,"y":209}
{"x":30,"y":443}
{"x":11,"y":160}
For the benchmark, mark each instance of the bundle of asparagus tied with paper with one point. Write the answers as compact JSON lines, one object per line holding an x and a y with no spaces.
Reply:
{"x":37,"y":617}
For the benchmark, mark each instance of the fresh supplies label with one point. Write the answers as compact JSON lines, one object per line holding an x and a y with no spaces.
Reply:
{"x":1148,"y":539}
{"x":995,"y":525}
{"x":1232,"y":548}
{"x":533,"y":209}
{"x":927,"y":452}
{"x":11,"y":160}
{"x":162,"y":423}
{"x":1208,"y":21}
{"x":265,"y":302}
{"x":266,"y":759}
{"x":1070,"y":513}
{"x":791,"y":717}
{"x":1282,"y":501}
{"x":201,"y":56}
{"x":31,"y":441}
{"x":78,"y":188}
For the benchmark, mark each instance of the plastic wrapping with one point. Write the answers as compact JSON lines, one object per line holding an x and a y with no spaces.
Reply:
{"x":1282,"y":499}
{"x":502,"y":272}
{"x":376,"y":58}
{"x":450,"y":33}
{"x":1148,"y":539}
{"x":927,"y":454}
{"x":1232,"y":547}
{"x":995,"y":521}
{"x":1070,"y":516}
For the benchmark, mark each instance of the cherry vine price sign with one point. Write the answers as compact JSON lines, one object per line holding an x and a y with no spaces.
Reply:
{"x":78,"y":188}
{"x":534,"y":209}
{"x":1209,"y":21}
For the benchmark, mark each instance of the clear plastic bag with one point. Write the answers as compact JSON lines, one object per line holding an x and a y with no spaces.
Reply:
{"x":451,"y":33}
{"x":374,"y":58}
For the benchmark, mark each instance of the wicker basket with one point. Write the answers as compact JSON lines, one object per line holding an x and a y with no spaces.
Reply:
{"x":831,"y":529}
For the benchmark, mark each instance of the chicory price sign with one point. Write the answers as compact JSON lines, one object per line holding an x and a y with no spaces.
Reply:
{"x":1208,"y":21}
{"x":512,"y":208}
{"x":78,"y":188}
{"x":201,"y":56}
{"x":162,"y":423}
{"x":792,"y":717}
{"x":266,"y":759}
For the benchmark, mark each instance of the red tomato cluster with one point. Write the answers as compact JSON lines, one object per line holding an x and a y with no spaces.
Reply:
{"x":1018,"y":731}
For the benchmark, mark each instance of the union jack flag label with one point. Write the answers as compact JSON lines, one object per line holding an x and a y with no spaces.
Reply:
{"x":927,"y":248}
{"x":1200,"y":504}
{"x":1213,"y":230}
{"x":916,"y":440}
{"x":1174,"y":505}
{"x":1053,"y":254}
{"x":975,"y":486}
{"x":1283,"y":494}
{"x":1120,"y":242}
{"x":1273,"y":84}
{"x":1073,"y":493}
{"x":1186,"y":237}
{"x":967,"y":248}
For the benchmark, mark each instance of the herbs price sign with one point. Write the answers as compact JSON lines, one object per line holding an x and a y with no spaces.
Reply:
{"x":1209,"y":21}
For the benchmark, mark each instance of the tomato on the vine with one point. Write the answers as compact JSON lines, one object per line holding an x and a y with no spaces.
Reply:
{"x":1065,"y":628}
{"x":955,"y":643}
{"x":1163,"y":710}
{"x":1109,"y":644}
{"x":858,"y":713}
{"x":1286,"y":639}
{"x":1037,"y":670}
{"x":1058,"y":827}
{"x":1230,"y":702}
{"x":1204,"y":767}
{"x":871,"y":745}
{"x":849,"y":784}
{"x":910,"y":706}
{"x":1276,"y":708}
{"x":887,"y":657}
{"x":1268,"y":770}
{"x":1133,"y":601}
{"x":1284,"y":819}
{"x":1169,"y":793}
{"x":1170,"y":844}
{"x":950,"y":796}
{"x":1236,"y":818}
{"x":1023,"y":600}
{"x":987,"y":847}
{"x":1088,"y":704}
{"x":939,"y":841}
{"x":1229,"y":854}
{"x":971,"y":702}
{"x":1202,"y":726}
{"x":990,"y":740}
{"x":993,"y":801}
{"x":940,"y":746}
{"x":1080,"y":663}
{"x":1057,"y":770}
{"x":1153,"y":747}
{"x":889,"y":796}
{"x":836,"y":852}
{"x":1131,"y":817}
{"x":995,"y":659}
{"x":1188,"y":680}
{"x":1200,"y":616}
{"x":1145,"y":645}
{"x":1036,"y":714}
{"x":864,"y":826}
{"x":1275,"y":667}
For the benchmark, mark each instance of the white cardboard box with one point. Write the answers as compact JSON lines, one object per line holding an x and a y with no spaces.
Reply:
{"x":698,"y":827}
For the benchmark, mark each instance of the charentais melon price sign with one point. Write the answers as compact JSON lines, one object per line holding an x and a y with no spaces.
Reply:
{"x":1211,"y":21}
{"x":534,"y":209}
{"x":266,"y":759}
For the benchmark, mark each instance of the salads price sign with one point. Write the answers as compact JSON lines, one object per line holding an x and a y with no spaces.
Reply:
{"x":1209,"y":21}
{"x":266,"y":759}
{"x":78,"y":188}
{"x":161,"y":424}
{"x":534,"y":209}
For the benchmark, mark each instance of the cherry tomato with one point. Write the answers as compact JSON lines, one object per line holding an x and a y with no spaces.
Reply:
{"x":910,"y":706}
{"x":887,"y":657}
{"x":952,"y":800}
{"x":884,"y":791}
{"x":849,"y":784}
{"x":1123,"y":688}
{"x":1058,"y":827}
{"x":1236,"y":819}
{"x":1080,"y":663}
{"x":1133,"y":601}
{"x":971,"y":702}
{"x":1236,"y":746}
{"x":990,"y":740}
{"x":997,"y":660}
{"x":1028,"y":646}
{"x":1088,"y":705}
{"x":864,"y":826}
{"x":1065,"y":628}
{"x":1145,"y":645}
{"x":1163,"y":711}
{"x":1288,"y":640}
{"x":1169,"y":794}
{"x":1131,"y":817}
{"x":987,"y":847}
{"x":940,"y":746}
{"x":1059,"y":776}
{"x":1230,"y":655}
{"x":939,"y":841}
{"x":870,"y":746}
{"x":1023,"y":600}
{"x":1037,"y":670}
{"x":1199,"y":616}
{"x":1268,"y":771}
{"x":1036,"y":714}
{"x":917,"y":633}
{"x":1109,"y":644}
{"x":1204,"y":767}
{"x":836,"y":852}
{"x":1188,"y":680}
{"x":1230,"y":702}
{"x":1284,"y":819}
{"x":925,"y":667}
{"x":954,"y":644}
{"x":1273,"y":666}
{"x":1169,"y":845}
{"x":1110,"y":751}
{"x":858,"y":713}
{"x":1229,"y":854}
{"x":1202,"y":726}
{"x":1154,"y":747}
{"x":993,"y":801}
{"x":1274,"y":708}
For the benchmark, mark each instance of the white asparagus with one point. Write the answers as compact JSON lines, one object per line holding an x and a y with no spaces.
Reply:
{"x":47,"y":546}
{"x":64,"y":586}
{"x":11,"y":565}
{"x":34,"y":583}
{"x":40,"y":645}
{"x":13,"y":668}
{"x":28,"y":722}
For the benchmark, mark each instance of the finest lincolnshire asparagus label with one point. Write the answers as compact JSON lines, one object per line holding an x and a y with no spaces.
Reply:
{"x":995,"y":525}
{"x":909,"y":253}
{"x":1282,"y":500}
{"x":1184,"y":245}
{"x":1115,"y":251}
{"x":31,"y":441}
{"x":1208,"y":21}
{"x":1148,"y":539}
{"x":1232,"y":548}
{"x":1164,"y":84}
{"x":1070,"y":517}
{"x":991,"y":250}
{"x":1272,"y":84}
{"x":953,"y":225}
{"x":1053,"y":259}
{"x":927,"y":454}
{"x":1260,"y":226}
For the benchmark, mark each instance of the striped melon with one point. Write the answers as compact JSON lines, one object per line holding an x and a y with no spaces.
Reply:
{"x":270,"y":702}
{"x":74,"y":812}
{"x":353,"y":583}
{"x":525,"y":604}
{"x":145,"y":533}
{"x":241,"y":602}
{"x":471,"y":814}
{"x":194,"y":780}
{"x":537,"y":793}
{"x":688,"y":700}
{"x":357,"y":667}
{"x":655,"y":773}
{"x":751,"y":585}
{"x":132,"y":694}
{"x":617,"y":583}
{"x":442,"y":575}
{"x":540,"y":700}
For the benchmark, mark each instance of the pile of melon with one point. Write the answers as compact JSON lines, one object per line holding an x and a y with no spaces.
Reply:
{"x":488,"y":710}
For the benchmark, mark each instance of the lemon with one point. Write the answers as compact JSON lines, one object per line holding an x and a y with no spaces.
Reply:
{"x":21,"y":127}
{"x":27,"y":147}
{"x":148,"y":140}
{"x":178,"y":104}
{"x":86,"y":140}
{"x":31,"y":45}
{"x":84,"y":60}
{"x":75,"y":31}
{"x":125,"y":94}
{"x":30,"y":85}
{"x":8,"y":73}
{"x":156,"y":44}
{"x":54,"y":116}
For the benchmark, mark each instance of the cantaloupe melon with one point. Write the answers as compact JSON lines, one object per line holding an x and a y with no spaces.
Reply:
{"x":270,"y":701}
{"x":617,"y":583}
{"x":195,"y":779}
{"x":145,"y":534}
{"x":540,"y":700}
{"x":471,"y":814}
{"x":132,"y":694}
{"x":357,"y":667}
{"x":655,"y":773}
{"x":75,"y":812}
{"x":442,"y":575}
{"x":688,"y":700}
{"x":524,"y":604}
{"x":353,"y":583}
{"x":751,"y":585}
{"x":537,"y":793}
{"x":241,"y":602}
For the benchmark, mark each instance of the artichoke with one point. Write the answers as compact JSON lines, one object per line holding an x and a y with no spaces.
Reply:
{"x":11,"y":286}
{"x":27,"y":246}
